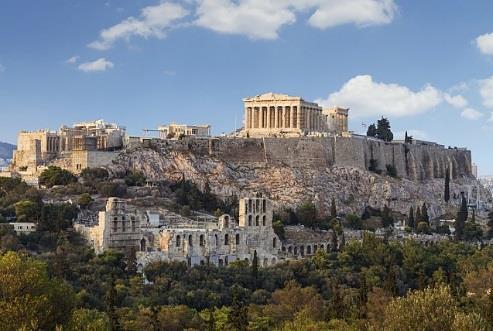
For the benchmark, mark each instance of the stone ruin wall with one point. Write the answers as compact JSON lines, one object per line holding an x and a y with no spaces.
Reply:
{"x":414,"y":162}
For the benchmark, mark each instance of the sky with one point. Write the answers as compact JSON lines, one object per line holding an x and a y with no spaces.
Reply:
{"x":427,"y":65}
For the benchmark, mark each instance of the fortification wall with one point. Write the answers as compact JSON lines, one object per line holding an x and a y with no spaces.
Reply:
{"x":415,"y":162}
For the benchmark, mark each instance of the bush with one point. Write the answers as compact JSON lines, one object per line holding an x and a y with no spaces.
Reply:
{"x":135,"y":178}
{"x":85,"y":200}
{"x":95,"y":174}
{"x":109,"y":190}
{"x":56,"y":176}
{"x":354,"y":222}
{"x":391,"y":170}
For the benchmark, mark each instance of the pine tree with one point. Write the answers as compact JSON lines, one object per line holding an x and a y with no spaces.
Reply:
{"x":418,"y":217}
{"x":333,"y":208}
{"x":446,"y":195}
{"x":461,"y":219}
{"x":238,"y":316}
{"x":410,"y":218}
{"x":372,"y":131}
{"x":383,"y":130}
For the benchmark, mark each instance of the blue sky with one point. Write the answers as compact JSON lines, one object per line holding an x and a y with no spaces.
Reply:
{"x":425,"y":64}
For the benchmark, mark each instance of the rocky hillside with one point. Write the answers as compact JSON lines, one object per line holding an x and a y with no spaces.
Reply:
{"x":288,"y":183}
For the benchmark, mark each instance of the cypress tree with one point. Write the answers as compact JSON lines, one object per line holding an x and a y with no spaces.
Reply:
{"x":333,"y":208}
{"x":255,"y":269}
{"x":424,"y":214}
{"x":461,"y":219}
{"x":410,"y":218}
{"x":489,"y":233}
{"x":418,"y":216}
{"x":446,"y":195}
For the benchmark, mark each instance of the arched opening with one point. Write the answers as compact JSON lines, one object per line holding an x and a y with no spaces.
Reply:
{"x":264,"y":206}
{"x":221,"y":263}
{"x":266,"y":262}
{"x":274,"y":242}
{"x":237,"y":239}
{"x":290,"y":249}
{"x":226,"y":239}
{"x":216,"y":240}
{"x":249,"y":220}
{"x":322,"y":247}
{"x":295,"y":250}
{"x":249,"y":205}
{"x":202,"y":240}
{"x":302,"y":250}
{"x":263,"y":220}
{"x":178,"y":241}
{"x":190,"y":240}
{"x":308,"y":250}
{"x":226,"y":221}
{"x":142,"y":245}
{"x":225,"y":260}
{"x":283,"y":249}
{"x":315,"y":247}
{"x":257,"y":220}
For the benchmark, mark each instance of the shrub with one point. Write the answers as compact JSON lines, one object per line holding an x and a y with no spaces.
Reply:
{"x":56,"y":176}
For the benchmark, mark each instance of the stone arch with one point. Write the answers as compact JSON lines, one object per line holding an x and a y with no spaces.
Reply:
{"x":274,"y":242}
{"x":264,"y":206}
{"x":190,"y":240}
{"x":290,"y":249}
{"x":295,"y":250}
{"x":202,"y":240}
{"x":315,"y":248}
{"x":274,"y":261}
{"x":226,"y":239}
{"x":143,"y":245}
{"x":216,"y":240}
{"x":263,"y":220}
{"x":257,"y":220}
{"x":308,"y":249}
{"x":178,"y":241}
{"x":283,"y":249}
{"x":237,"y":237}
{"x":302,"y":250}
{"x":221,"y":263}
{"x":266,"y":262}
{"x":249,"y":220}
{"x":226,"y":221}
{"x":322,"y":247}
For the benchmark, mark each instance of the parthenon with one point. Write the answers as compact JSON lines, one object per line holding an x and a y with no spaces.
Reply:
{"x":274,"y":114}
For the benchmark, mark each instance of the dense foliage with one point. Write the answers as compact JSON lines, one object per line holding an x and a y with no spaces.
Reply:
{"x":56,"y":176}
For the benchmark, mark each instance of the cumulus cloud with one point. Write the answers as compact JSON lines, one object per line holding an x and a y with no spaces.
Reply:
{"x":154,"y":21}
{"x":368,"y":98}
{"x":457,"y":101}
{"x":99,"y":65}
{"x":260,"y":19}
{"x":72,"y":60}
{"x":471,"y":114}
{"x":331,"y":13}
{"x":486,"y":91}
{"x":485,"y":43}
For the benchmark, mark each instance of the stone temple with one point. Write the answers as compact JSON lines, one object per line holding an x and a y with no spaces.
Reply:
{"x":281,"y":115}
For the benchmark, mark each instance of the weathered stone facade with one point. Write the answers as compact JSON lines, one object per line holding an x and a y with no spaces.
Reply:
{"x":39,"y":148}
{"x":176,"y":130}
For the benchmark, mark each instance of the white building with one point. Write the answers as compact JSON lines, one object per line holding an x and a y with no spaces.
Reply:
{"x":176,"y":130}
{"x":23,"y":228}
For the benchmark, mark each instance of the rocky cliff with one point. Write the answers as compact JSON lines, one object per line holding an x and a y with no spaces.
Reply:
{"x":290,"y":171}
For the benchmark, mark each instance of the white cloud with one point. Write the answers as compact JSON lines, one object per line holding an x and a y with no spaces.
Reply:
{"x":490,"y":120}
{"x":486,"y":91}
{"x":2,"y":68}
{"x":260,"y":19}
{"x":154,"y":21}
{"x":257,"y":19}
{"x":367,"y":98}
{"x":471,"y":114}
{"x":72,"y":60}
{"x":485,"y":43}
{"x":99,"y":65}
{"x":360,"y":12}
{"x":457,"y":101}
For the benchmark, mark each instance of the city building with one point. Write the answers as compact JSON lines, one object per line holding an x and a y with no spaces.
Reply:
{"x":23,"y":228}
{"x":337,"y":119}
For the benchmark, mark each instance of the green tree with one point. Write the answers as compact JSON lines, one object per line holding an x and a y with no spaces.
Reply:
{"x":29,"y":299}
{"x":255,"y":269}
{"x":428,"y":309}
{"x":27,"y":211}
{"x":410,"y":218}
{"x":372,"y":131}
{"x":85,"y":200}
{"x":95,"y":174}
{"x":424,"y":214}
{"x":238,"y":316}
{"x":489,"y":233}
{"x":446,"y":195}
{"x":135,"y":178}
{"x":88,"y":320}
{"x":56,"y":176}
{"x":461,"y":219}
{"x":384,"y":131}
{"x":307,"y":214}
{"x":278,"y":227}
{"x":333,"y":208}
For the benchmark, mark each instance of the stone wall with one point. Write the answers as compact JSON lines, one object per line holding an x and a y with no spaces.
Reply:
{"x":415,"y":162}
